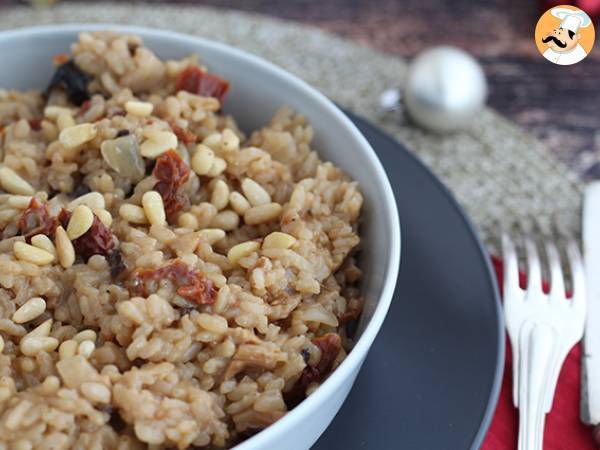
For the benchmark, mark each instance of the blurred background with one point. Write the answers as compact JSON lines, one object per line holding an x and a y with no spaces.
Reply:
{"x":560,"y":105}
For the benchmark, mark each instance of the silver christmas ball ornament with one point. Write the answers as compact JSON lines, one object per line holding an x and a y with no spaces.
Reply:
{"x":444,"y":90}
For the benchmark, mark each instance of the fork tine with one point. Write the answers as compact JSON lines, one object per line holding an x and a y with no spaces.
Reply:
{"x":534,"y":270}
{"x":511,"y":267}
{"x":557,"y":283}
{"x":512,"y":293}
{"x":577,"y":274}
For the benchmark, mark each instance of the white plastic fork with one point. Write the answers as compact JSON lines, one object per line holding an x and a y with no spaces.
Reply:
{"x":542,"y":329}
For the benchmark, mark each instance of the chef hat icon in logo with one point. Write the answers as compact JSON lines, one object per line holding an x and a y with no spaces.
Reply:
{"x":564,"y":35}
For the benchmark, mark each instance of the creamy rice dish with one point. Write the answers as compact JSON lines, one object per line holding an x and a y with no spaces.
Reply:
{"x":166,"y":281}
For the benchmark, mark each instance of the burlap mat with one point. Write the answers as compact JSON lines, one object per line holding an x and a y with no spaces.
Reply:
{"x":498,"y":173}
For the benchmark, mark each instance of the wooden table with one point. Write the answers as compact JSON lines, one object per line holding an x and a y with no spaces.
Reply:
{"x":558,"y":104}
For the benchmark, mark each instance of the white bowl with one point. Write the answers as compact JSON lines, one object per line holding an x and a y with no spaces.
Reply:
{"x":258,"y":89}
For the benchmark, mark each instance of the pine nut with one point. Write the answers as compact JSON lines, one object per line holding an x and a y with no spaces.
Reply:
{"x":255,"y":193}
{"x":85,"y":335}
{"x":42,"y":241}
{"x":212,"y":141}
{"x":95,"y":392}
{"x":52,"y":112}
{"x":49,"y":131}
{"x":188,"y":220}
{"x":212,"y":235}
{"x":133,"y":213}
{"x":81,"y":221}
{"x":64,"y":121}
{"x":202,"y":159}
{"x":29,"y":310}
{"x":1,"y":346}
{"x":12,"y":183}
{"x":104,"y":216}
{"x":239,"y":203}
{"x":226,"y":220}
{"x":277,"y":239}
{"x":157,"y":142}
{"x":19,"y":201}
{"x":153,"y":208}
{"x":137,"y":108}
{"x":50,"y":385}
{"x":74,"y":136}
{"x":32,"y":345}
{"x":34,"y":255}
{"x":220,"y":195}
{"x":242,"y":250}
{"x":91,"y":200}
{"x":229,"y":141}
{"x":262,"y":213}
{"x":218,"y":167}
{"x":67,"y":349}
{"x":42,"y":330}
{"x":64,"y":248}
{"x":86,"y":348}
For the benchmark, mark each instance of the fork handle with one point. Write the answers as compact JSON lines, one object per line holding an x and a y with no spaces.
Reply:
{"x":537,"y":342}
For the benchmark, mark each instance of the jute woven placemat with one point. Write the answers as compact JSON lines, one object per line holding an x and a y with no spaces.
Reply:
{"x":498,"y":173}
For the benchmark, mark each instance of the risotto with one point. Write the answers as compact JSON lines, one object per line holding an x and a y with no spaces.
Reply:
{"x":166,"y":281}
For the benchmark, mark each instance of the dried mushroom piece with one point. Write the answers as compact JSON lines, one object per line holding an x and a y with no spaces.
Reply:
{"x":72,"y":80}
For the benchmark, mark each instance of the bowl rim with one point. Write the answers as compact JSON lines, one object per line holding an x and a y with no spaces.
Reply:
{"x":360,"y":349}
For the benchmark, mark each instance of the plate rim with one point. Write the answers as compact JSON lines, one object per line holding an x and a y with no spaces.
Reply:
{"x":485,"y":256}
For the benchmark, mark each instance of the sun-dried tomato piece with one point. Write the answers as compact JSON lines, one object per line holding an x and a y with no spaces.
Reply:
{"x":330,"y":345}
{"x":98,"y":240}
{"x":171,"y":168}
{"x":36,"y":123}
{"x":63,"y":218}
{"x":36,"y":220}
{"x":200,"y":290}
{"x":185,"y":136}
{"x":172,"y":173}
{"x":195,"y":80}
{"x":72,"y":80}
{"x":191,"y":284}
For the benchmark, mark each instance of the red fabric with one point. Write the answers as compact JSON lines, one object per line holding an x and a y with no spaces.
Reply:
{"x":564,"y":430}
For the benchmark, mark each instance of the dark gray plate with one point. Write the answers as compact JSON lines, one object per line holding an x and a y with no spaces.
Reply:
{"x":432,"y":378}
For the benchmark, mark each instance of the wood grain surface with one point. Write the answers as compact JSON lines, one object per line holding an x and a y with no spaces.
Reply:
{"x":558,"y":104}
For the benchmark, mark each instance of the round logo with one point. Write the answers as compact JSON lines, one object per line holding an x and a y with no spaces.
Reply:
{"x":564,"y":35}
